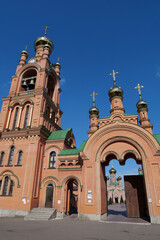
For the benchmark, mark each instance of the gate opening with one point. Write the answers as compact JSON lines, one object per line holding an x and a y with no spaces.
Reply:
{"x":125,"y":189}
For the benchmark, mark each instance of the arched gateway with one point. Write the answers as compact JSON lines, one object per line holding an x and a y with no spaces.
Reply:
{"x":43,"y":158}
{"x":121,"y":141}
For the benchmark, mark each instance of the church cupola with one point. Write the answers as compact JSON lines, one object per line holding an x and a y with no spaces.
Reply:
{"x":57,"y":67}
{"x":140,"y":171}
{"x":112,"y":172}
{"x":116,"y":96}
{"x":24,"y":56}
{"x":93,"y":115}
{"x":43,"y":43}
{"x":119,"y":180}
{"x":142,"y":109}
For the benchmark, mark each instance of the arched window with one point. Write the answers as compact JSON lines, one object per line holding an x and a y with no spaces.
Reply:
{"x":0,"y":184}
{"x":20,"y":158}
{"x":2,"y":158}
{"x":15,"y":118}
{"x":26,"y":117}
{"x":11,"y":156}
{"x":52,"y":160}
{"x":7,"y":184}
{"x":6,"y":181}
{"x":11,"y":188}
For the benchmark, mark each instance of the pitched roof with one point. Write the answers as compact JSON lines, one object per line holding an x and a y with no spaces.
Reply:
{"x":74,"y":151}
{"x":58,"y":134}
{"x":157,"y":137}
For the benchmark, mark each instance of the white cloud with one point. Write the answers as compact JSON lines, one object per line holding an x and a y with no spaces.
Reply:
{"x":63,"y":81}
{"x":158,"y":72}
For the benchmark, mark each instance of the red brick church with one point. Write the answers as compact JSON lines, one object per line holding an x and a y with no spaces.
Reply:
{"x":40,"y":166}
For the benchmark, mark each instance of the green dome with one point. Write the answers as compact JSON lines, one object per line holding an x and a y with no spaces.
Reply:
{"x":141,"y":104}
{"x":115,"y":91}
{"x":43,"y":41}
{"x":112,"y":170}
{"x":93,"y":111}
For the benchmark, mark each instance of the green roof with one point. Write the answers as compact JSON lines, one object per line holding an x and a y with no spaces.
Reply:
{"x":157,"y":137}
{"x":74,"y":151}
{"x":113,"y":183}
{"x":58,"y":134}
{"x":122,"y":114}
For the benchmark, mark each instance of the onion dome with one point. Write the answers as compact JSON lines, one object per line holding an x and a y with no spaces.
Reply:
{"x":140,"y":171}
{"x":119,"y":178}
{"x":43,"y":41}
{"x":94,"y":111}
{"x":115,"y":91}
{"x":142,"y":105}
{"x":57,"y":64}
{"x":107,"y":178}
{"x":24,"y":52}
{"x":112,"y":170}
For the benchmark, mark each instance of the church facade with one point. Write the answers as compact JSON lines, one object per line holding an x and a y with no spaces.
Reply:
{"x":40,"y":165}
{"x":115,"y":191}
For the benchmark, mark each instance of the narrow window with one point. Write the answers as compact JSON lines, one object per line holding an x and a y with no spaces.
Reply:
{"x":11,"y":188}
{"x":6,"y":181}
{"x":11,"y":156}
{"x":20,"y":158}
{"x":26,"y":117}
{"x":15,"y":118}
{"x":2,"y":158}
{"x":52,"y":160}
{"x":0,"y":184}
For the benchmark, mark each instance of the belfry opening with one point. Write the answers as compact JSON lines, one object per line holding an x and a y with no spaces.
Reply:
{"x":42,"y":172}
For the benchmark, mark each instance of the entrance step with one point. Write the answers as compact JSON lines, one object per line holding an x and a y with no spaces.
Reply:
{"x":41,"y":214}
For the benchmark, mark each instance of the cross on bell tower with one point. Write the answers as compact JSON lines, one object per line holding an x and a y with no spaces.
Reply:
{"x":45,"y":30}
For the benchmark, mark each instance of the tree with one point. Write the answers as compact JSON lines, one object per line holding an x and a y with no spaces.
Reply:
{"x":121,"y":200}
{"x":110,"y":200}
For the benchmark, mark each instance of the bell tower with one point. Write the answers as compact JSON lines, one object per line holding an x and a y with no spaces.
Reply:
{"x":29,"y":114}
{"x":33,"y":100}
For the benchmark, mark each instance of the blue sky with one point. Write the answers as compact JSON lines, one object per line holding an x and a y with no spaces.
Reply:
{"x":91,"y":38}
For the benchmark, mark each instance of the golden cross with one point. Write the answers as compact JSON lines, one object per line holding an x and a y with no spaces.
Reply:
{"x":93,"y":95}
{"x":139,"y":90}
{"x":45,"y":30}
{"x":114,"y":76}
{"x":26,"y":48}
{"x":58,"y":59}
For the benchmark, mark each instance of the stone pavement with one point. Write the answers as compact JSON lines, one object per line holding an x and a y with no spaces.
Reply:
{"x":118,"y":213}
{"x":71,"y":228}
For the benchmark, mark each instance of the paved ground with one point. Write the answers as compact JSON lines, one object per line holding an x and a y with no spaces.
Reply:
{"x":118,"y":213}
{"x":71,"y":228}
